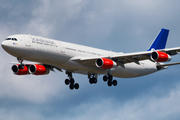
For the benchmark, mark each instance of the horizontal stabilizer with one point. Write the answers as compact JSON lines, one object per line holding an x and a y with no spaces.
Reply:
{"x":169,"y":64}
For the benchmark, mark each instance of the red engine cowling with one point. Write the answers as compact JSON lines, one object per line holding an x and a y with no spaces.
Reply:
{"x":159,"y":56}
{"x":37,"y":69}
{"x":17,"y":71}
{"x":105,"y":63}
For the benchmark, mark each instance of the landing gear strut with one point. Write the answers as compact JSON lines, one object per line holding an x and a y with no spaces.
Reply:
{"x":71,"y":81}
{"x":92,"y":78}
{"x":109,"y":79}
{"x":20,"y":59}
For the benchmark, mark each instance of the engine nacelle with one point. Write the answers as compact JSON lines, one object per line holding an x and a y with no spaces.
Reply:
{"x":17,"y":71}
{"x":159,"y":56}
{"x":105,"y":63}
{"x":37,"y":69}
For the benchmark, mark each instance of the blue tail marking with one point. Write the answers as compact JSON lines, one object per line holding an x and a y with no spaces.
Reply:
{"x":160,"y":41}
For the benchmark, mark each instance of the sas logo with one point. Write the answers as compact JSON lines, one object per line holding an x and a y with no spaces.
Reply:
{"x":15,"y":43}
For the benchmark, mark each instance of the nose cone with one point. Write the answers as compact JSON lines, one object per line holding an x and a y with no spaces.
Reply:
{"x":3,"y":44}
{"x":7,"y":46}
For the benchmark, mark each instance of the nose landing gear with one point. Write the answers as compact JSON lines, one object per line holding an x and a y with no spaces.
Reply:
{"x":20,"y":59}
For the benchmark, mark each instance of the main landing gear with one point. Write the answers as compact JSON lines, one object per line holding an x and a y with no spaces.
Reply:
{"x":108,"y":77}
{"x":110,"y":80}
{"x":92,"y":79}
{"x":21,"y":65}
{"x":71,"y":81}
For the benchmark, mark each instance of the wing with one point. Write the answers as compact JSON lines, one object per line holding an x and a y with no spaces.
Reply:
{"x":171,"y":51}
{"x":122,"y":59}
{"x":139,"y":56}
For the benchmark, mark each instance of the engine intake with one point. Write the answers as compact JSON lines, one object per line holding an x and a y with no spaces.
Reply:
{"x":38,"y":69}
{"x":105,"y":63}
{"x":159,"y":56}
{"x":17,"y":71}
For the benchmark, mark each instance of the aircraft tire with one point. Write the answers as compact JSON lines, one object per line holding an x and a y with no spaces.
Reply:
{"x":71,"y":86}
{"x":110,"y":77}
{"x":95,"y":80}
{"x":76,"y":86}
{"x":91,"y":81}
{"x":72,"y":80}
{"x":114,"y":82}
{"x":67,"y":81}
{"x":105,"y":78}
{"x":109,"y":83}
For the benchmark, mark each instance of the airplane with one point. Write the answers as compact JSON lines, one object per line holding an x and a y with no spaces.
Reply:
{"x":73,"y":58}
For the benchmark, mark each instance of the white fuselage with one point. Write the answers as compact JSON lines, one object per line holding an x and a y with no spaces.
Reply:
{"x":61,"y":54}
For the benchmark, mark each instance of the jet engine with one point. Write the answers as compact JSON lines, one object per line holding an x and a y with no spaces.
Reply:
{"x":37,"y":69}
{"x":17,"y":71}
{"x":105,"y":63}
{"x":159,"y":56}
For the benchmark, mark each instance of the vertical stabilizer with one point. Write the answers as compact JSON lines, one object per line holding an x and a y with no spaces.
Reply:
{"x":160,"y":41}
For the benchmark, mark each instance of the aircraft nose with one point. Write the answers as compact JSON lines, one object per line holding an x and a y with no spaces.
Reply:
{"x":4,"y":44}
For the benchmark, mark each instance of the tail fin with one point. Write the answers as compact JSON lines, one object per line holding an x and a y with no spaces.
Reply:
{"x":160,"y":41}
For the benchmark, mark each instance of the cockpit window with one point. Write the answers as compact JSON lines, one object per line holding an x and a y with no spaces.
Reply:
{"x":14,"y":39}
{"x":8,"y":39}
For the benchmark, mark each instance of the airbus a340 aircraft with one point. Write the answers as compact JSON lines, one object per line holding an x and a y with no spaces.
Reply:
{"x":73,"y":58}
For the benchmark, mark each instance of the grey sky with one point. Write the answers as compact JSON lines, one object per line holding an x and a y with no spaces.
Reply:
{"x":117,"y":25}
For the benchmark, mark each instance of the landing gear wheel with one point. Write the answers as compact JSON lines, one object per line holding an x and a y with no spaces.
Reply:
{"x":92,"y":78}
{"x":105,"y":78}
{"x":95,"y":80}
{"x":67,"y":81}
{"x":114,"y":82}
{"x":110,"y":77}
{"x":76,"y":86}
{"x":72,"y":81}
{"x":91,"y":81}
{"x":109,"y":83}
{"x":20,"y":59}
{"x":110,"y":80}
{"x":71,"y":86}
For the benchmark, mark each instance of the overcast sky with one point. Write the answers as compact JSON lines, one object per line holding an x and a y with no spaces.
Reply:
{"x":117,"y":25}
